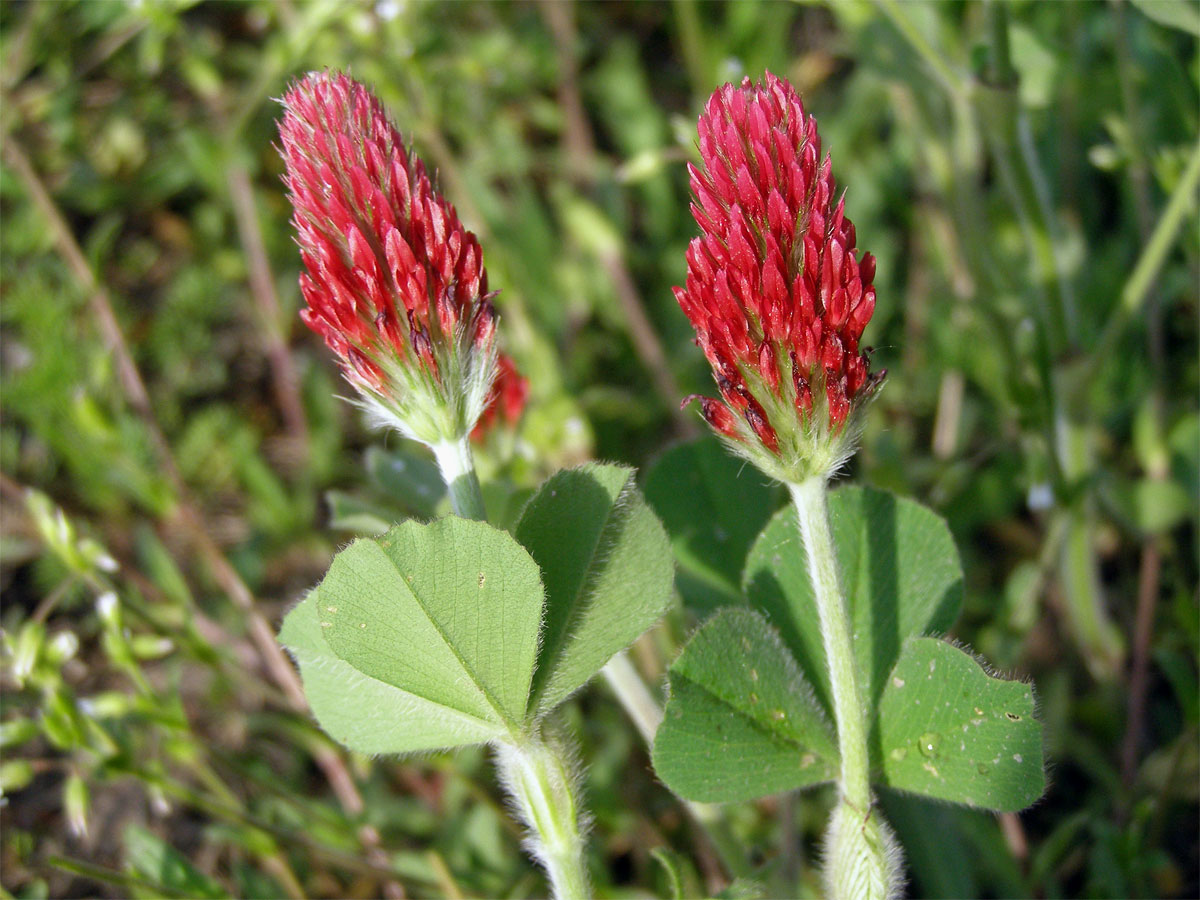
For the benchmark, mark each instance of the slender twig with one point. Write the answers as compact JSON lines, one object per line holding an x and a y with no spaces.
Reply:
{"x":580,"y":150}
{"x":1139,"y":184}
{"x":1141,"y":278}
{"x":1138,"y":169}
{"x":790,"y":855}
{"x":577,"y":133}
{"x":1143,"y":633}
{"x":693,"y":47}
{"x":278,"y":867}
{"x":1014,"y":836}
{"x":445,"y":878}
{"x":262,"y":287}
{"x":1007,"y":129}
{"x":262,"y":280}
{"x":625,"y":682}
{"x":948,"y":416}
{"x":946,"y":76}
{"x":645,"y":340}
{"x":226,"y":576}
{"x":114,"y":877}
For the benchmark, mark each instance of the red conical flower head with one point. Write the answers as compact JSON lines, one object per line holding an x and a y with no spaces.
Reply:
{"x":776,"y":289}
{"x":393,"y":281}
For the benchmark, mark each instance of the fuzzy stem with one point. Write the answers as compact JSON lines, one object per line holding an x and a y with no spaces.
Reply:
{"x":458,"y":471}
{"x":542,"y":786}
{"x":860,"y":859}
{"x":813,"y":515}
{"x":537,"y":775}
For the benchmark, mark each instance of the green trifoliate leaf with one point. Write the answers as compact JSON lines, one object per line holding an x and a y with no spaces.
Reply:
{"x":713,"y":506}
{"x":423,"y":638}
{"x":741,"y":721}
{"x":949,"y":730}
{"x":606,"y":564}
{"x":365,"y":714}
{"x":900,"y":572}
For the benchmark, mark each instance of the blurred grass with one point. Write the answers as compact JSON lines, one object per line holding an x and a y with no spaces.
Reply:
{"x":1025,"y":173}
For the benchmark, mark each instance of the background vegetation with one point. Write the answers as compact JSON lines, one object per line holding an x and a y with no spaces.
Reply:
{"x":177,"y":468}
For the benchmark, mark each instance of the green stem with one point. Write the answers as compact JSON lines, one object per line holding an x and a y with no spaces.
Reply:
{"x":633,"y":695}
{"x":936,"y":60}
{"x":861,"y":861}
{"x":537,"y":775}
{"x":542,"y":786}
{"x":1137,"y":287}
{"x":458,"y":471}
{"x":813,"y":515}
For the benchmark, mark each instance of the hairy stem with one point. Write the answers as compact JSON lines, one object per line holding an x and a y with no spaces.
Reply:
{"x":537,"y":775}
{"x":861,"y":861}
{"x":458,"y":471}
{"x":813,"y":515}
{"x":542,"y":786}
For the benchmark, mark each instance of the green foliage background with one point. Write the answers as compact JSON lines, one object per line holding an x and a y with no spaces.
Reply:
{"x":1026,"y":174}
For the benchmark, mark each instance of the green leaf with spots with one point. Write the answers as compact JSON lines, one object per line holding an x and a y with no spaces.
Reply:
{"x":899,"y":568}
{"x":949,"y":730}
{"x":741,"y":721}
{"x":713,"y":506}
{"x":607,"y":567}
{"x":423,"y":638}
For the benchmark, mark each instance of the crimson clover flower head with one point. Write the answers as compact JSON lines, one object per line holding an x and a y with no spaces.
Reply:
{"x":393,"y":281}
{"x":776,"y":289}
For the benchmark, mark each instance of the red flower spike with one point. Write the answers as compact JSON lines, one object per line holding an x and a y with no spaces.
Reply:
{"x":394,"y":283}
{"x":776,"y":288}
